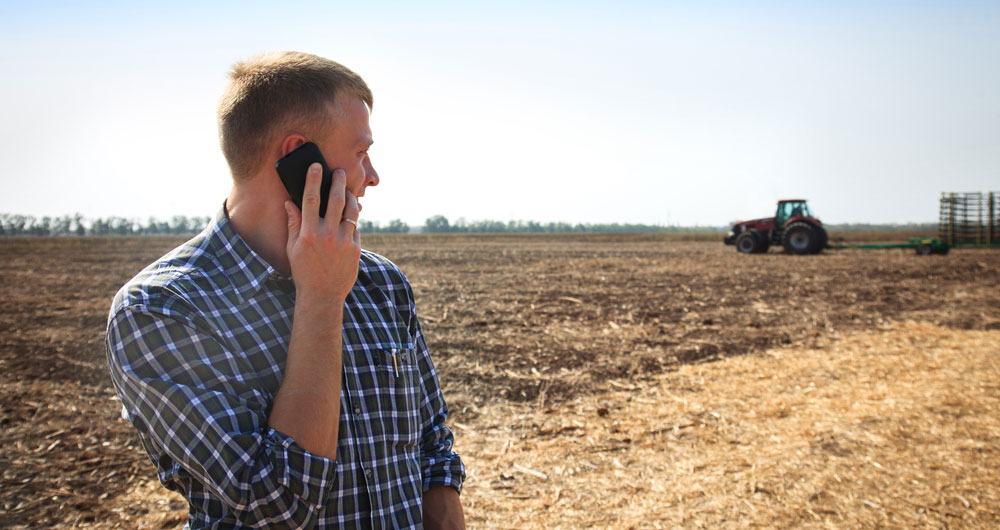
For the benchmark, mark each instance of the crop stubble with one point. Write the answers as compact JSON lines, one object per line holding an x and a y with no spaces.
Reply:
{"x":529,"y":322}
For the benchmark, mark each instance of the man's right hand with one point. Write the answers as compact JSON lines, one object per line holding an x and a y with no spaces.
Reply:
{"x":324,"y":252}
{"x":324,"y":255}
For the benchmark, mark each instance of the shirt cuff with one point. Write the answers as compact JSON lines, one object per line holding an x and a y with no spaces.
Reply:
{"x":308,"y":476}
{"x":444,"y":470}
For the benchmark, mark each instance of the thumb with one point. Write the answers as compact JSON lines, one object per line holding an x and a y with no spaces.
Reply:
{"x":294,"y":220}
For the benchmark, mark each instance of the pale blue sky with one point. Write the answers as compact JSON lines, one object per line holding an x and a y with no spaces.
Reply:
{"x":645,"y":112}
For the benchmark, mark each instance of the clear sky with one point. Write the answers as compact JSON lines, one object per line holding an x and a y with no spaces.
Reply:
{"x":644,"y":112}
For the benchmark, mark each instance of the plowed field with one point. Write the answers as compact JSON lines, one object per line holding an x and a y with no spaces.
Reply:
{"x":564,"y":359}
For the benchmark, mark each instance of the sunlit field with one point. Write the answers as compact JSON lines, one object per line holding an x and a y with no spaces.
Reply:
{"x":605,"y":381}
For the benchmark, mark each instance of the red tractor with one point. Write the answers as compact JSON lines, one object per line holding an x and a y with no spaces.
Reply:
{"x":793,"y":227}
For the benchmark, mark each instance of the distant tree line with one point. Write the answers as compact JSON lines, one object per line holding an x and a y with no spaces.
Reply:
{"x":395,"y":226}
{"x":884,"y":227}
{"x":77,"y":225}
{"x":439,"y":224}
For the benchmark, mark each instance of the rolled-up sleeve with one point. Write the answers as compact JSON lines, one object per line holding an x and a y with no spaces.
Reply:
{"x":440,"y":465}
{"x":199,"y":416}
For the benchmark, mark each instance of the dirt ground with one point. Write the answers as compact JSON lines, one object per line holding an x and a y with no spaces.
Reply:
{"x":594,"y":381}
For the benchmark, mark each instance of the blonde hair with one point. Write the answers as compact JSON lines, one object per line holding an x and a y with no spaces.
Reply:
{"x":268,"y":93}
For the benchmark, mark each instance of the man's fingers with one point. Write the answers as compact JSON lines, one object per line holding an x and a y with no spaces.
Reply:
{"x":338,"y":192}
{"x":351,"y":212}
{"x":294,"y":221}
{"x":310,"y":198}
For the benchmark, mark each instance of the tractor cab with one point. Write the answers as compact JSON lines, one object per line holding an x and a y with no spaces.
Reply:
{"x":791,"y":209}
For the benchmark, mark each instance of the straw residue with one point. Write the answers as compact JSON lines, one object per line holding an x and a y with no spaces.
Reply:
{"x":895,"y":427}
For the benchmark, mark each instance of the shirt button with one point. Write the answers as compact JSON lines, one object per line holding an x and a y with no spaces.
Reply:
{"x":403,"y":357}
{"x":368,"y":473}
{"x":357,"y":410}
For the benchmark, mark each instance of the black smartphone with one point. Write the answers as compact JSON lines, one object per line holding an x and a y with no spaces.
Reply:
{"x":292,"y":169}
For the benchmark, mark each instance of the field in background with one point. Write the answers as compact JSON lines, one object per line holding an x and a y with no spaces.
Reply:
{"x":608,"y":380}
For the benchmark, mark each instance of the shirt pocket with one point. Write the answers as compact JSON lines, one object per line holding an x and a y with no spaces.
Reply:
{"x":399,"y":395}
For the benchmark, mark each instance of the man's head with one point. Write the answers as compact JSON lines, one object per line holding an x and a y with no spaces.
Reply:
{"x":273,"y":95}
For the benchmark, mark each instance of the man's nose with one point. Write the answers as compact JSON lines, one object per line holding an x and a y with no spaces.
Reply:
{"x":371,"y":176}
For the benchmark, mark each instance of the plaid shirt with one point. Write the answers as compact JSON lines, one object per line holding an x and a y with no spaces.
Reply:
{"x":196,"y":344}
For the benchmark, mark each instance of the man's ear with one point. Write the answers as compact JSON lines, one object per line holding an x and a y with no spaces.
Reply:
{"x":292,"y":142}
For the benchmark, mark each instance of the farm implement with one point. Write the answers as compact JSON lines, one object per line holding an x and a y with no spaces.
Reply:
{"x":966,"y":220}
{"x":923,"y":246}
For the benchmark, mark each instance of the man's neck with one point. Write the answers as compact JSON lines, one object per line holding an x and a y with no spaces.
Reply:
{"x":261,"y":222}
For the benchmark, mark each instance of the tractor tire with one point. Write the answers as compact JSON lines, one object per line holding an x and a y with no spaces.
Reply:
{"x":800,"y":238}
{"x":764,"y":240}
{"x":820,"y":240}
{"x":925,"y":249}
{"x":747,"y":243}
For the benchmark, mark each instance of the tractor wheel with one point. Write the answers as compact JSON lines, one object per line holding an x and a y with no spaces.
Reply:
{"x":820,"y":240}
{"x":747,"y":243}
{"x":799,"y":238}
{"x":925,"y":249}
{"x":763,"y":241}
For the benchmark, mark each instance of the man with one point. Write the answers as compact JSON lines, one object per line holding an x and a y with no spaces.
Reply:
{"x":276,"y":373}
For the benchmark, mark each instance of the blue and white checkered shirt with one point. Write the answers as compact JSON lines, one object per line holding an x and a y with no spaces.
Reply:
{"x":197,"y":344}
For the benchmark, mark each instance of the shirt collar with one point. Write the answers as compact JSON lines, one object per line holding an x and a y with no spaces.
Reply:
{"x":246,"y":269}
